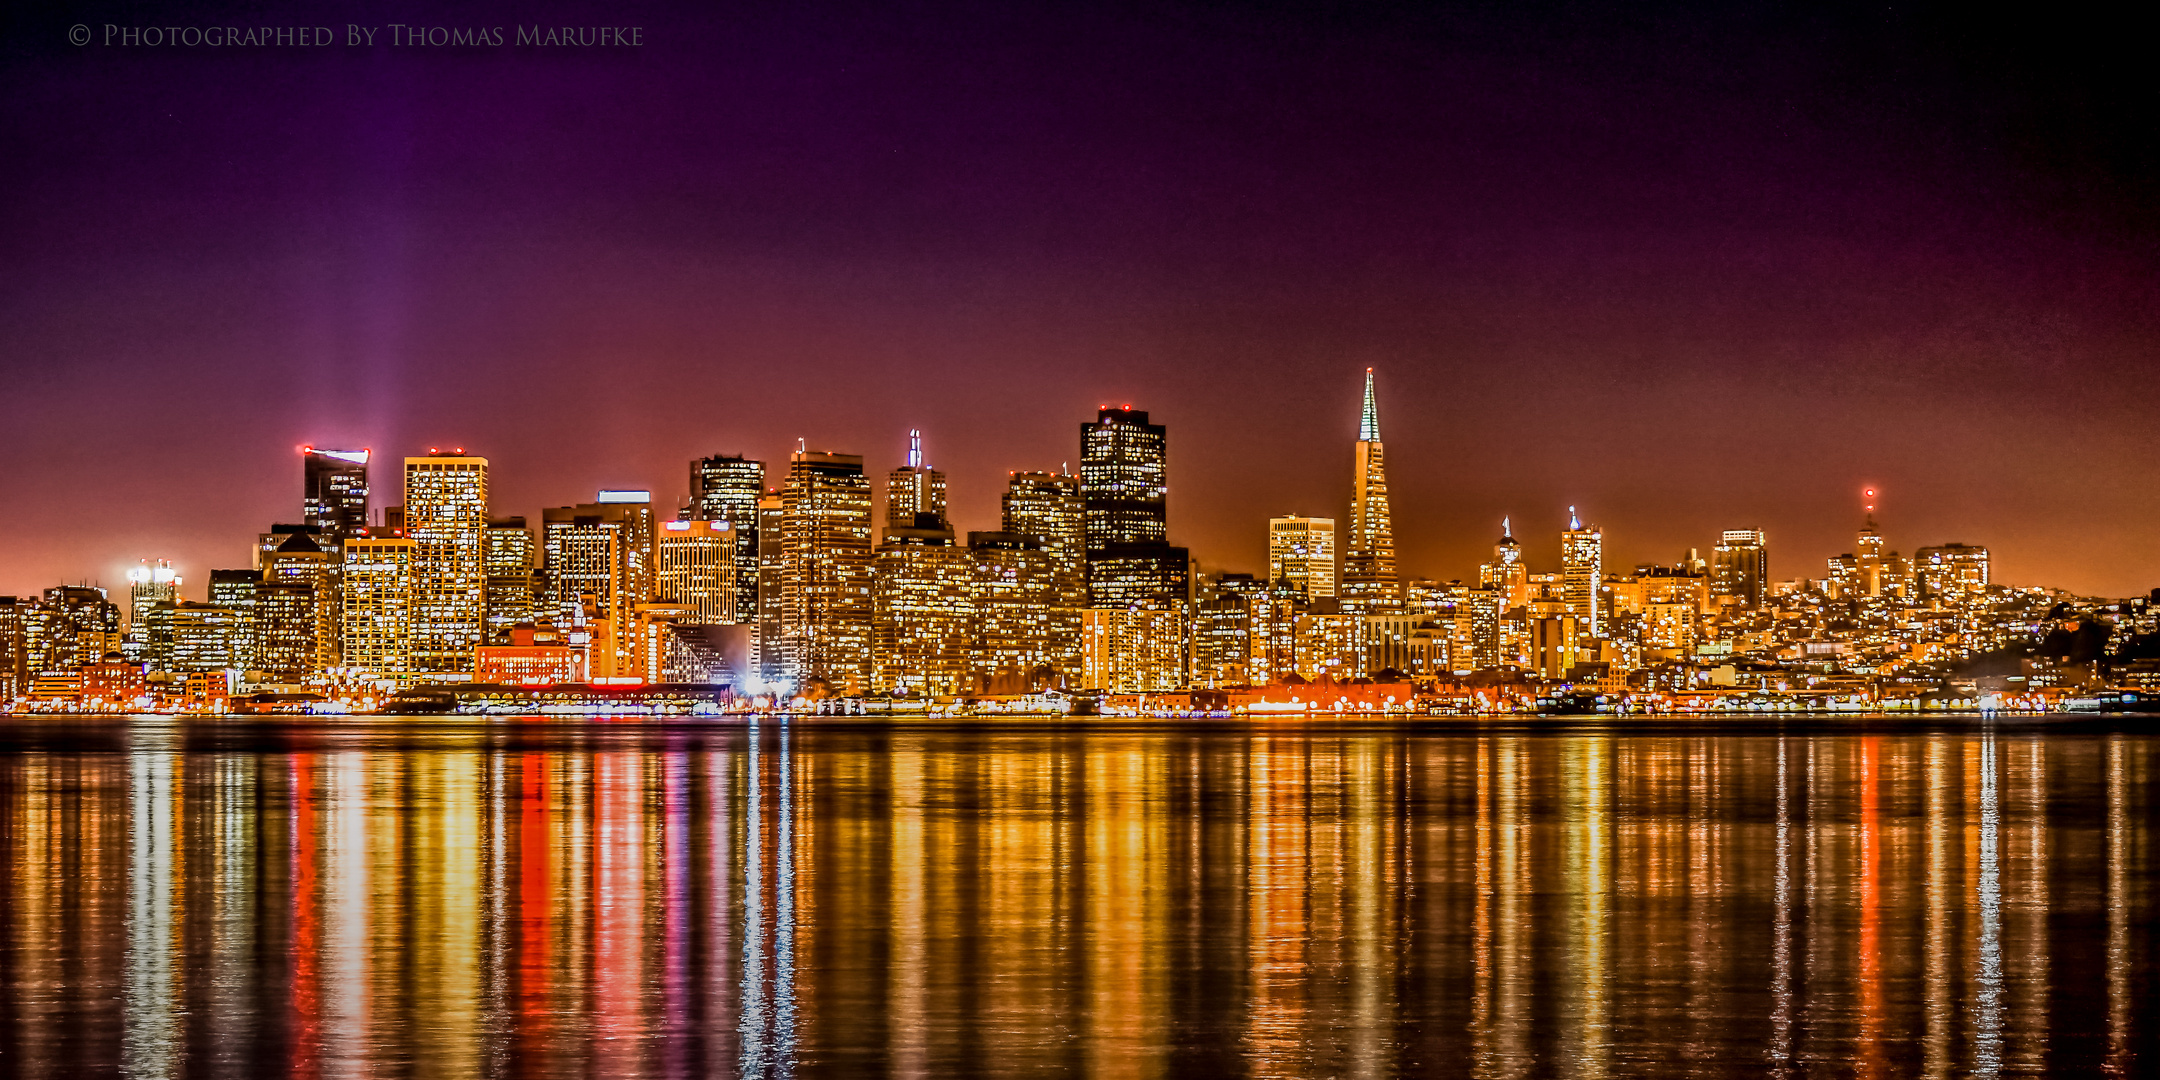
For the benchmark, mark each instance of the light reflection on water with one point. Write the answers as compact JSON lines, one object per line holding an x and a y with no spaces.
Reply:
{"x":1116,"y":900}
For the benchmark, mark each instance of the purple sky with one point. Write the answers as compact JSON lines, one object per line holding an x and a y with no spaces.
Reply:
{"x":1687,"y":271}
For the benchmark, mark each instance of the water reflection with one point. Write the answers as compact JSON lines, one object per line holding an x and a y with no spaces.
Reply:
{"x":821,"y":899}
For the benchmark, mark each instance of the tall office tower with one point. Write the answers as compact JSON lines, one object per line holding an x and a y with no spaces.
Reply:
{"x":1026,"y":637}
{"x":1124,"y":486}
{"x":1369,"y":581}
{"x":1506,"y":572}
{"x":1301,"y":551}
{"x":1741,"y":567}
{"x":1953,"y":572}
{"x":923,"y":612}
{"x":1271,"y":616}
{"x":446,"y":515}
{"x":282,"y":634}
{"x":237,"y":590}
{"x":825,"y":602}
{"x":1582,"y":566}
{"x":509,"y":561}
{"x":336,"y":499}
{"x":301,"y":561}
{"x":205,"y":637}
{"x":377,"y":579}
{"x":724,"y":488}
{"x":1048,"y":506}
{"x":696,"y":570}
{"x":266,"y":544}
{"x":149,"y":585}
{"x":771,"y":656}
{"x":914,"y":493}
{"x":631,"y":577}
{"x":601,"y":549}
{"x":14,"y":648}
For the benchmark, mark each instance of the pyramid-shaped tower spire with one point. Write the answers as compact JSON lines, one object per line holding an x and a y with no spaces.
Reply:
{"x":1369,"y":420}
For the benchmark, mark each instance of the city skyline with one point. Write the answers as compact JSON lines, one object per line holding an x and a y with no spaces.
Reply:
{"x":1535,"y":537}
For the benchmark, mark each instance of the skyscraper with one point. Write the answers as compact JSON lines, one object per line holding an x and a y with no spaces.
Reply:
{"x":510,"y":552}
{"x":301,"y":561}
{"x":1048,"y":506}
{"x":377,"y":581}
{"x":825,"y":602}
{"x":914,"y":492}
{"x":1582,"y":567}
{"x":148,"y":585}
{"x":1369,"y":581}
{"x":1124,"y":481}
{"x":696,"y":570}
{"x":336,"y":496}
{"x":725,"y":488}
{"x":1026,"y":634}
{"x":923,"y":611}
{"x":446,"y":515}
{"x":1740,"y":567}
{"x":1301,"y":551}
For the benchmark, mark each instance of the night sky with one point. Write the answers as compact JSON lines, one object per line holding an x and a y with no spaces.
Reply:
{"x":1686,"y":269}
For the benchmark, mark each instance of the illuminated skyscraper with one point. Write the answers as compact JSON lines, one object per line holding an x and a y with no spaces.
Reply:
{"x":302,"y":562}
{"x":602,"y":551}
{"x":1582,"y":565}
{"x":914,"y":491}
{"x":510,"y":560}
{"x":284,"y":633}
{"x":1026,"y":636}
{"x":446,"y":516}
{"x":376,"y":578}
{"x":771,"y":656}
{"x":724,"y":488}
{"x":1124,"y":482}
{"x":149,"y":585}
{"x":923,"y":611}
{"x":336,"y":497}
{"x":237,"y":590}
{"x":1369,"y":581}
{"x":696,"y":562}
{"x":825,"y":602}
{"x":1048,"y":506}
{"x":1740,"y":567}
{"x":1301,"y":551}
{"x":1136,"y":649}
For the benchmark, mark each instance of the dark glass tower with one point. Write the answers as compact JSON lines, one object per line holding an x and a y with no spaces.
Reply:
{"x":337,"y":491}
{"x":1124,"y":482}
{"x":727,"y":488}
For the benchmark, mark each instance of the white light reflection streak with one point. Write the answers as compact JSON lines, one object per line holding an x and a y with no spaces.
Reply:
{"x":1988,"y":998}
{"x":151,"y":1036}
{"x":1781,"y":991}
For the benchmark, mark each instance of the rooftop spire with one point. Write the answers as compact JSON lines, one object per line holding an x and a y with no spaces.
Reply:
{"x":1505,"y":532}
{"x":914,"y":449}
{"x":1369,"y":422}
{"x":1573,"y":522}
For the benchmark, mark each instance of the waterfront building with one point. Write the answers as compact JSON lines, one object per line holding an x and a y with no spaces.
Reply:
{"x":69,"y":626}
{"x":15,"y":671}
{"x":446,"y":516}
{"x":1582,"y":564}
{"x":1124,"y":483}
{"x":825,"y":572}
{"x":533,"y":654}
{"x":1740,"y":567}
{"x":696,"y":569}
{"x":1134,"y":649}
{"x":1027,"y":636}
{"x":728,"y":489}
{"x":1271,"y":632}
{"x":335,"y":497}
{"x":1370,"y":584}
{"x":509,"y":560}
{"x":602,"y":550}
{"x":376,"y":581}
{"x":1301,"y":551}
{"x":923,"y":612}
